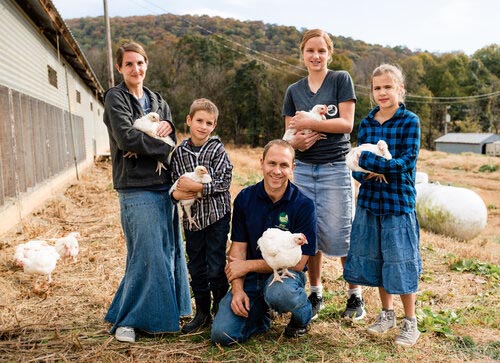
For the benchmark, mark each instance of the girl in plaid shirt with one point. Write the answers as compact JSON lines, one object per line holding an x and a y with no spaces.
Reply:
{"x":385,"y":237}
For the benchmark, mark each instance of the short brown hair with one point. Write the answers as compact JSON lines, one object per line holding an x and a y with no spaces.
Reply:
{"x":129,"y":47}
{"x":278,"y":142}
{"x":204,"y":104}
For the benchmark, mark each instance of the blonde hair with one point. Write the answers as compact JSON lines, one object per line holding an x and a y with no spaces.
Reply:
{"x":203,"y":104}
{"x":129,"y":47}
{"x":313,"y":33}
{"x":395,"y":73}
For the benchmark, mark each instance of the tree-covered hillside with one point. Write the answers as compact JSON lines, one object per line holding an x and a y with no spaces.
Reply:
{"x":245,"y":68}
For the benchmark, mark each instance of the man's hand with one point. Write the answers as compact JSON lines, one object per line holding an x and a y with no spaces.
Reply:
{"x":240,"y":304}
{"x":235,"y":268}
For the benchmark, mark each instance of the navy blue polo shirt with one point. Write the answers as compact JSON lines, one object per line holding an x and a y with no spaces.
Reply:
{"x":254,"y":212}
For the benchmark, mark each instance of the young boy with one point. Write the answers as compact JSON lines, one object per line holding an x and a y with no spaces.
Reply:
{"x":206,"y":238}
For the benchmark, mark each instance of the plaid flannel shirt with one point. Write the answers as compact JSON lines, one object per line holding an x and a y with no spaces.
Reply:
{"x":216,"y":200}
{"x":402,"y":135}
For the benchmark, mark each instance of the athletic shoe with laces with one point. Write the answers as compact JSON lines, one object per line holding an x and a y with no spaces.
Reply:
{"x":317,"y":304}
{"x":385,"y":322}
{"x":355,"y":308}
{"x":408,"y":335}
{"x":293,"y":330}
{"x":125,"y":334}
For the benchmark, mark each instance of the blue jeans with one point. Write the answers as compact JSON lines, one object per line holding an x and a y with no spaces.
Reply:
{"x":289,"y":296}
{"x":206,"y":250}
{"x":154,"y":291}
{"x":329,"y":186}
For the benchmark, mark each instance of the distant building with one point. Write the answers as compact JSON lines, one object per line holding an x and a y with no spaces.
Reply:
{"x":457,"y":143}
{"x":51,"y":108}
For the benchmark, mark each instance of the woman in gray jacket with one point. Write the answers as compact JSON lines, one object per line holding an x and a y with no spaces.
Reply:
{"x":154,"y":291}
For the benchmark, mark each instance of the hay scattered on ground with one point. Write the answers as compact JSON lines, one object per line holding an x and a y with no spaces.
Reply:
{"x":64,"y":321}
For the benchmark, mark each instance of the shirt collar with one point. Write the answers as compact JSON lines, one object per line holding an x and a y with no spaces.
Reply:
{"x":261,"y":192}
{"x":399,"y":112}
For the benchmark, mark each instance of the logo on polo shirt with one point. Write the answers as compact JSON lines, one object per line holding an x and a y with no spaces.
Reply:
{"x":283,"y":220}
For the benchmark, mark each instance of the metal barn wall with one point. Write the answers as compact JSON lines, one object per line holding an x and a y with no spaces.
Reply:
{"x":458,"y":148}
{"x":39,"y":141}
{"x":28,"y":74}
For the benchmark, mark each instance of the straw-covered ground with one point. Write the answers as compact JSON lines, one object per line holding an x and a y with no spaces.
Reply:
{"x":63,"y":321}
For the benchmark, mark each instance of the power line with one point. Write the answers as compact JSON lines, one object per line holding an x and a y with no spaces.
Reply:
{"x":249,"y":52}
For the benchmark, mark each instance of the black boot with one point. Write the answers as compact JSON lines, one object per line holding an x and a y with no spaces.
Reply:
{"x":202,"y":319}
{"x":217,"y":295}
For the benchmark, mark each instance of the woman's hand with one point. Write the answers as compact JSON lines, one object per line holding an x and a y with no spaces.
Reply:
{"x":164,"y":129}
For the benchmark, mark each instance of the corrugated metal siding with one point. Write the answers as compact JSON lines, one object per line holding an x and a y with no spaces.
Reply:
{"x":37,"y":141}
{"x":458,"y":148}
{"x":28,"y":73}
{"x":468,"y":138}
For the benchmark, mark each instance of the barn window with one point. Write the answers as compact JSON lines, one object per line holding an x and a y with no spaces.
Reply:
{"x":52,"y":76}
{"x":78,"y":97}
{"x":91,"y":106}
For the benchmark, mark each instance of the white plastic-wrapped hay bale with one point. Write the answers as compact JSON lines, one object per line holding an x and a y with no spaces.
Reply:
{"x":452,"y":211}
{"x":421,"y":177}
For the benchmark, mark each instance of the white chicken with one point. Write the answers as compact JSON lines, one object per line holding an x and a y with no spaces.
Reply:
{"x":68,"y":246}
{"x":317,"y":113}
{"x":149,"y":125}
{"x":23,"y":248}
{"x":37,"y":258}
{"x":380,"y":149}
{"x":281,"y":250}
{"x":200,"y":175}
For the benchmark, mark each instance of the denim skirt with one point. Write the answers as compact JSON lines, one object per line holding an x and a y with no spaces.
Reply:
{"x":154,"y":291}
{"x":384,"y":251}
{"x":329,"y":186}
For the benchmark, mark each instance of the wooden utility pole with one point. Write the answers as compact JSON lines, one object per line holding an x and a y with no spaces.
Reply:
{"x":111,"y":79}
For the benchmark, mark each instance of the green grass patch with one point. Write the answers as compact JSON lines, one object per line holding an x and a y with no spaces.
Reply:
{"x":488,"y":168}
{"x":246,"y":180}
{"x":477,"y":267}
{"x":437,"y":322}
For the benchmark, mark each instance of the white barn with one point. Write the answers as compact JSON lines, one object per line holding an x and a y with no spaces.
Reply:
{"x":457,"y":143}
{"x":51,"y":107}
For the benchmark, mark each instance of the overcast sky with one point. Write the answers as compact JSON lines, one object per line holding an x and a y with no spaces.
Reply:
{"x":432,"y":25}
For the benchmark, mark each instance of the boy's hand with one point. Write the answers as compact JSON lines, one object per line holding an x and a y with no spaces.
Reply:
{"x":186,"y":184}
{"x":164,"y":129}
{"x":181,"y":195}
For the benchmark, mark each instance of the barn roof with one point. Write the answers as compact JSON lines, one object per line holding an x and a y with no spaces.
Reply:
{"x":50,"y":24}
{"x":468,"y":138}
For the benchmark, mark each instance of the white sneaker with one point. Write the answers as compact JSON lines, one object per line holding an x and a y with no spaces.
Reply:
{"x":125,"y":334}
{"x":408,"y":334}
{"x":385,"y":322}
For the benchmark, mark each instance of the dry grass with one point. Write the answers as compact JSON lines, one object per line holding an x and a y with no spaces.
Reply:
{"x":64,"y":321}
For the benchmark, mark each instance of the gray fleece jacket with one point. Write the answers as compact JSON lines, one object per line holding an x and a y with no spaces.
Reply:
{"x":121,"y":109}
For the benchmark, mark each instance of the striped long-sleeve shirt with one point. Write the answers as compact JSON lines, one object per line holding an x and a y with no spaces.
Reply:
{"x":216,"y":200}
{"x":402,"y":134}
